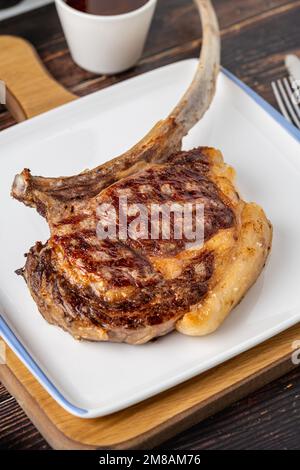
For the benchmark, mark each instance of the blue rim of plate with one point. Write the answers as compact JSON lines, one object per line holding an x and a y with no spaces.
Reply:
{"x":15,"y":344}
{"x":265,"y":105}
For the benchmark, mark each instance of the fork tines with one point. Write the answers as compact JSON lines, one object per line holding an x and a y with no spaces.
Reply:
{"x":287,"y":92}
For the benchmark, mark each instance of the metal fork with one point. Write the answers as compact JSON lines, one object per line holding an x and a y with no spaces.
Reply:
{"x":285,"y":92}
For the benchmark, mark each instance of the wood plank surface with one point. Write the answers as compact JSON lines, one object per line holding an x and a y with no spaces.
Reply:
{"x":267,"y":419}
{"x":255,"y":37}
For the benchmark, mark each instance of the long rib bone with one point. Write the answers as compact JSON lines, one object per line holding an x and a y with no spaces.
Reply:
{"x":165,"y":137}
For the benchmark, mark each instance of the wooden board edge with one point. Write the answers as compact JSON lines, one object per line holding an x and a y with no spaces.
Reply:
{"x":36,"y":414}
{"x":59,"y":441}
{"x":33,"y":90}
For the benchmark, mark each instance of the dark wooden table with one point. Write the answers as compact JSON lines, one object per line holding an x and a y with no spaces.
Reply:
{"x":256,"y":35}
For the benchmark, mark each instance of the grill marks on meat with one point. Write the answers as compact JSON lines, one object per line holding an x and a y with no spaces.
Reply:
{"x":129,"y":290}
{"x":108,"y":260}
{"x":119,"y":285}
{"x":183,"y":179}
{"x":156,"y":302}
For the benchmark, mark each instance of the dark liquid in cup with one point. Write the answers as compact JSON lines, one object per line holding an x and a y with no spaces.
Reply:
{"x":106,"y":7}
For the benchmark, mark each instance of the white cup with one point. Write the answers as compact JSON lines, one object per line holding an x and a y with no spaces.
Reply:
{"x":106,"y":44}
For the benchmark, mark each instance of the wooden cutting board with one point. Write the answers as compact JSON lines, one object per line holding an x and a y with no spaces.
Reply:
{"x":31,"y":91}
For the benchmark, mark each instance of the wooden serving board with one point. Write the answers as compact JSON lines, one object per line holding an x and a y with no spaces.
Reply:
{"x":32,"y":91}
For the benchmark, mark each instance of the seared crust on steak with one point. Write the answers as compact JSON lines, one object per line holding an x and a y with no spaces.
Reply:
{"x":135,"y":290}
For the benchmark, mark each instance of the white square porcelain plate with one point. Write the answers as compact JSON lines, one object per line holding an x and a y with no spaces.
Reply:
{"x":94,"y":379}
